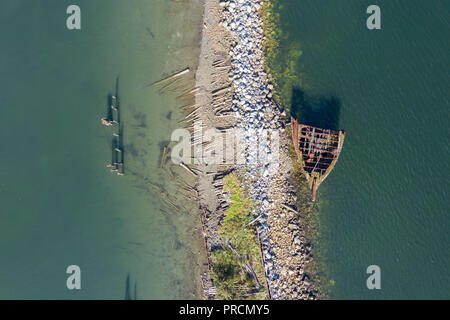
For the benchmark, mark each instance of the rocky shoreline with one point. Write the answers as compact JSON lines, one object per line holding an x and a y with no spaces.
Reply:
{"x":232,"y":52}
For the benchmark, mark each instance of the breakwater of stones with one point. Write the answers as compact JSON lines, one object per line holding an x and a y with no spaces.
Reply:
{"x":284,"y":248}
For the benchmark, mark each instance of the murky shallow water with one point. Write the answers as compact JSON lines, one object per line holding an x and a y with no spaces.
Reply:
{"x":60,"y":204}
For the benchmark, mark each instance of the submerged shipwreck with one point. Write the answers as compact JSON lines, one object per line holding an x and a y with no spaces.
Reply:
{"x":318,"y":151}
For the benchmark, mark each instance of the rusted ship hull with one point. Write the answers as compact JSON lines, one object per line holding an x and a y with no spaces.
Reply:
{"x":318,"y":151}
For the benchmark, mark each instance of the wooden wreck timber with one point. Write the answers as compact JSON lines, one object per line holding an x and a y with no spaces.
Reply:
{"x":318,"y":151}
{"x":173,"y":76}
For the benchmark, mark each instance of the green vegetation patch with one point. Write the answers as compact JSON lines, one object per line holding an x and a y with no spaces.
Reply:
{"x":282,"y":55}
{"x":238,"y":270}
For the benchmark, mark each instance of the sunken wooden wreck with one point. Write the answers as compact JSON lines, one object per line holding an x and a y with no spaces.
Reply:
{"x":318,"y":151}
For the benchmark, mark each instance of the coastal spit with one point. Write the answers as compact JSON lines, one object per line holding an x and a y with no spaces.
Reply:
{"x":233,"y":33}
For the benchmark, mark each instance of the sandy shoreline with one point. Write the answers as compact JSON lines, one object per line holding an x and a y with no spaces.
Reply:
{"x":215,"y":44}
{"x":232,"y":54}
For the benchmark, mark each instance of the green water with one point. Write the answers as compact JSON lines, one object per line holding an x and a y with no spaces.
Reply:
{"x":386,"y":202}
{"x":60,"y":205}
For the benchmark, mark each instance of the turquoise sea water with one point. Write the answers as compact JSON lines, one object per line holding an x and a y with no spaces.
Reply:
{"x":60,"y":205}
{"x":386,"y":203}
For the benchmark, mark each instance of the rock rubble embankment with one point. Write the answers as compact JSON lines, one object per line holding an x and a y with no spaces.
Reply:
{"x":285,"y":249}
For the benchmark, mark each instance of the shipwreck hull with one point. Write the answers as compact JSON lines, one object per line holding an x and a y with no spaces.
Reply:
{"x":318,"y":151}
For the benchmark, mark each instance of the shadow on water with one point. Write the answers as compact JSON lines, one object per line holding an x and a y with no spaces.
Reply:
{"x":117,"y":88}
{"x":317,"y":111}
{"x":121,"y":145}
{"x":114,"y":114}
{"x":118,"y":149}
{"x":109,"y":110}
{"x":128,"y":295}
{"x":118,"y":99}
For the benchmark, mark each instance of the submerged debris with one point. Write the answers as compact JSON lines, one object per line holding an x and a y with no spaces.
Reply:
{"x":175,"y":75}
{"x":117,"y":162}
